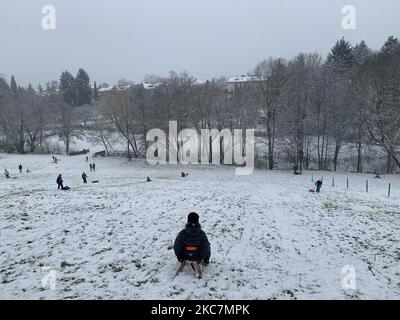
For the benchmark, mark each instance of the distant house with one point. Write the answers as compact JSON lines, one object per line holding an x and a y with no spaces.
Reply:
{"x":200,"y":82}
{"x":113,"y":88}
{"x":241,"y":81}
{"x":150,"y":86}
{"x":120,"y":88}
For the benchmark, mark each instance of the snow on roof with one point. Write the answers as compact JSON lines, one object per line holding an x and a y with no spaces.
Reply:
{"x":244,"y":78}
{"x":146,"y":85}
{"x":200,"y":82}
{"x":114,"y":88}
{"x":150,"y":86}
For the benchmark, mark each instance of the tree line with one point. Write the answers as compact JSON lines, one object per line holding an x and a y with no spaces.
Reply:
{"x":29,"y":117}
{"x":307,"y":110}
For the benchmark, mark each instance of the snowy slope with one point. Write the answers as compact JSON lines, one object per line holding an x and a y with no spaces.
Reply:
{"x":270,"y":238}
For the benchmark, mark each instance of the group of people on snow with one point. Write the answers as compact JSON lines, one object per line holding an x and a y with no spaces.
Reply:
{"x":92,"y":167}
{"x":7,"y":173}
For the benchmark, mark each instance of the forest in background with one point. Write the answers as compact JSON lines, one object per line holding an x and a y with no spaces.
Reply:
{"x":313,"y":106}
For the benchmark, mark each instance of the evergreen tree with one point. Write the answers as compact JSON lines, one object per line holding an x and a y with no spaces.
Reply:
{"x":30,"y":89}
{"x":13,"y":86}
{"x":40,"y":90}
{"x":391,"y":46}
{"x":83,"y":91}
{"x":95,"y":91}
{"x":67,"y":88}
{"x":4,"y":88}
{"x":361,"y":52}
{"x":341,"y":57}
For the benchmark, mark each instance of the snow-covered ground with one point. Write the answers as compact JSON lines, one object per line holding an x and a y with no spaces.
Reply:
{"x":270,"y":238}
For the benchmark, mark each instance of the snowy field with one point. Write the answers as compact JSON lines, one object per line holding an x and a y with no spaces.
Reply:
{"x":270,"y":238}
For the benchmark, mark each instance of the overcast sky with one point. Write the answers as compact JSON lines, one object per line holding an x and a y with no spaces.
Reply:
{"x":113,"y":39}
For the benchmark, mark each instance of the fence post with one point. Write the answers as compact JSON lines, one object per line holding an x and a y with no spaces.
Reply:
{"x":347,"y":182}
{"x":333,"y":182}
{"x":312,"y":177}
{"x":366,"y":186}
{"x":389,"y":190}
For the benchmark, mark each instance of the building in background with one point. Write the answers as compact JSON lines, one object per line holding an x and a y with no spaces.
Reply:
{"x":241,"y":81}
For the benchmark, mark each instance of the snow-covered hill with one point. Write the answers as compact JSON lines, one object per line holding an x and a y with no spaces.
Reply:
{"x":270,"y":237}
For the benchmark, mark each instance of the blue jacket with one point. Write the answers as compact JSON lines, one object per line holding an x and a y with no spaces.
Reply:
{"x":192,"y":244}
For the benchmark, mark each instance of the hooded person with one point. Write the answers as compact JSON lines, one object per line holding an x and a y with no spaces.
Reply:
{"x":60,"y":182}
{"x":84,"y":177}
{"x":318,"y":184}
{"x":192,"y":243}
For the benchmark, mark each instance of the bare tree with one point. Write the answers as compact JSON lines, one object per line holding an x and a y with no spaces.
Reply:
{"x":269,"y":91}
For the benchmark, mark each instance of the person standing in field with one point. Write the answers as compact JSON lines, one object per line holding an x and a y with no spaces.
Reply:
{"x":20,"y":168}
{"x":84,"y":177}
{"x":59,"y":182}
{"x":318,"y":184}
{"x":7,"y":174}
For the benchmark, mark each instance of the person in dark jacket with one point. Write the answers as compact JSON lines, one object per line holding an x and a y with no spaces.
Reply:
{"x":192,"y":242}
{"x":60,"y":182}
{"x":7,"y":174}
{"x":318,"y":184}
{"x":94,"y":166}
{"x":20,"y":168}
{"x":84,"y":177}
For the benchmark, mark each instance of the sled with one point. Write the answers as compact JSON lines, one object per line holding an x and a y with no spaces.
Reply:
{"x":197,"y":268}
{"x":180,"y":269}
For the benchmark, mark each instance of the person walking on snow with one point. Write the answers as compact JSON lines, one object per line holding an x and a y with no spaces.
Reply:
{"x":20,"y":168}
{"x":7,"y":174}
{"x":318,"y":184}
{"x":192,"y":243}
{"x":59,"y":182}
{"x":94,"y":166}
{"x":84,"y":177}
{"x":91,"y":167}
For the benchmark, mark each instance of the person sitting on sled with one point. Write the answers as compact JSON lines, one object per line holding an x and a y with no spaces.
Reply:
{"x":192,"y":244}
